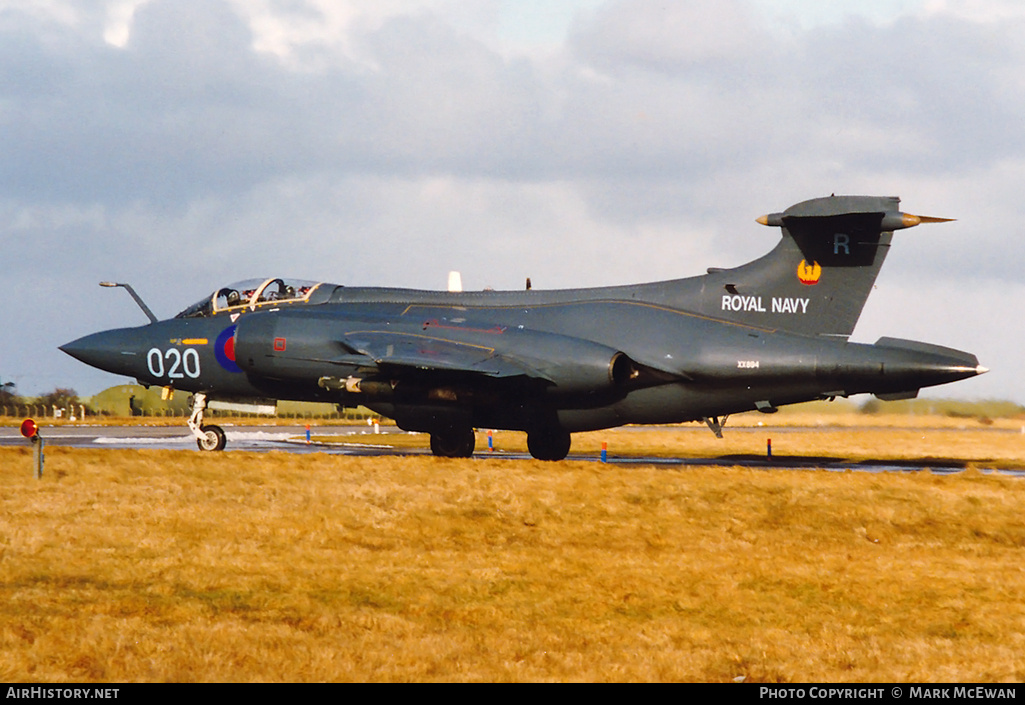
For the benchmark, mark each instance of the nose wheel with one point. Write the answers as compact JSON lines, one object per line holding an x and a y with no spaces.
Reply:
{"x":213,"y":438}
{"x":208,"y":437}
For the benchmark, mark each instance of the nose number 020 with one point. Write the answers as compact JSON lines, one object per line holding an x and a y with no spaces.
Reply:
{"x":178,"y":363}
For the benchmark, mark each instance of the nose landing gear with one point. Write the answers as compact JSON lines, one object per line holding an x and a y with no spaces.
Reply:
{"x":209,"y":437}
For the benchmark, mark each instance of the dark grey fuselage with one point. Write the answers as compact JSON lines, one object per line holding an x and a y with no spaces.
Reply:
{"x":768,"y":333}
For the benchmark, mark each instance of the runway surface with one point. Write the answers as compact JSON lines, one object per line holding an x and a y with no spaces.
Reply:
{"x":292,"y":439}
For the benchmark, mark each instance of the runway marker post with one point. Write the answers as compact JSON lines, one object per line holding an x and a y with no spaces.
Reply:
{"x":31,"y":432}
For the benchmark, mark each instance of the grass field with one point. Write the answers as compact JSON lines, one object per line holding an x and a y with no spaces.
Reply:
{"x":851,"y":437}
{"x":155,"y":565}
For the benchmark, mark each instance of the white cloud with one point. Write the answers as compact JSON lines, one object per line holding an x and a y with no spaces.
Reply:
{"x":118,"y":25}
{"x":387,"y":143}
{"x":670,"y":36}
{"x":983,"y":11}
{"x":63,"y":12}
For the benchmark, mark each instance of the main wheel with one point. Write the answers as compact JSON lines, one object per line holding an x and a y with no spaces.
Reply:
{"x":549,"y":444}
{"x":213,"y":438}
{"x":456,"y":443}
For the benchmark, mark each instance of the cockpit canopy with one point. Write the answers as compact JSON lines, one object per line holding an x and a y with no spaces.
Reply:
{"x":252,"y":294}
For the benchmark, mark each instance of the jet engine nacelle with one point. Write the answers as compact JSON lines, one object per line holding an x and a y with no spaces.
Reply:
{"x":572,"y":366}
{"x":311,"y":347}
{"x":290,"y":348}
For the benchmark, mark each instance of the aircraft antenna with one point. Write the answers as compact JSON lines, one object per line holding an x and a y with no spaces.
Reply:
{"x":131,"y":291}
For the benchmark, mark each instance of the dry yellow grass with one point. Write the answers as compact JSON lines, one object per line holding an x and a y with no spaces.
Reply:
{"x":180,"y":566}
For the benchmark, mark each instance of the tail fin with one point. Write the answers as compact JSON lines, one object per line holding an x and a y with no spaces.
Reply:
{"x":818,"y":277}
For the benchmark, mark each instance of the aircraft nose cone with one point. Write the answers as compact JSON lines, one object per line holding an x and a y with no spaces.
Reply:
{"x":105,"y":351}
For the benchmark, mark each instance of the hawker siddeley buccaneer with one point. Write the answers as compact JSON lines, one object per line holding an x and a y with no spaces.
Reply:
{"x":551,"y":363}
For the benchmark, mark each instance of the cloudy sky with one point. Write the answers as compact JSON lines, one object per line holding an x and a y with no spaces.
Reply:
{"x":183,"y":144}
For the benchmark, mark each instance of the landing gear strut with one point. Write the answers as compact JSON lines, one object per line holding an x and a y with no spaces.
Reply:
{"x":207,"y":437}
{"x":548,"y":444}
{"x":714,"y":425}
{"x":453,"y":443}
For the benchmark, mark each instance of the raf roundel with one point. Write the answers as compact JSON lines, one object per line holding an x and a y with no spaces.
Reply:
{"x":224,"y":350}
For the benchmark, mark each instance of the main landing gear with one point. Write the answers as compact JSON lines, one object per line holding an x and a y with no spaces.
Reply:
{"x":543,"y":444}
{"x":548,"y":444}
{"x":453,"y":443}
{"x":207,"y":437}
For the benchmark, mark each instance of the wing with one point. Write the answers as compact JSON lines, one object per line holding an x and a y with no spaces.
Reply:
{"x":563,"y":364}
{"x":304,"y":345}
{"x":424,"y":352}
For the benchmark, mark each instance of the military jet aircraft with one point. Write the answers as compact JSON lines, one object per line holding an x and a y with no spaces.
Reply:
{"x":550,"y":363}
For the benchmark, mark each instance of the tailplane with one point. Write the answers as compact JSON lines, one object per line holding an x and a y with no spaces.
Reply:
{"x":818,"y":277}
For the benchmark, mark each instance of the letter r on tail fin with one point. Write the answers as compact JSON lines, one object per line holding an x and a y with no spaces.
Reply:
{"x":820,"y":274}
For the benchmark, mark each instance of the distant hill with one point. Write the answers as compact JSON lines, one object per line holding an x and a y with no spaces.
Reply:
{"x":992,"y":409}
{"x":136,"y":400}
